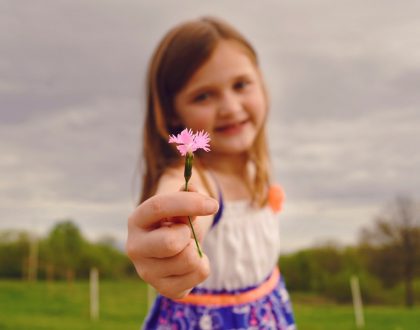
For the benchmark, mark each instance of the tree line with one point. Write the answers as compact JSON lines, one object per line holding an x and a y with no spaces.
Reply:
{"x":386,"y":259}
{"x":63,"y":254}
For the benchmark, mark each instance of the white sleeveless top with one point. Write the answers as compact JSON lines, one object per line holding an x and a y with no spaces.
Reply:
{"x":243,"y":247}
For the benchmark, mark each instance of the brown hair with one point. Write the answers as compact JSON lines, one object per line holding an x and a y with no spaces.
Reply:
{"x":180,"y":53}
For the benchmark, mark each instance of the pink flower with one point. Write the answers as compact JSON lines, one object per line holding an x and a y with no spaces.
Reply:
{"x":189,"y":142}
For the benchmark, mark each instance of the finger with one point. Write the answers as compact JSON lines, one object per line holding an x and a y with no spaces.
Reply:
{"x":174,"y":287}
{"x":183,"y":263}
{"x":176,"y":204}
{"x":165,"y":242}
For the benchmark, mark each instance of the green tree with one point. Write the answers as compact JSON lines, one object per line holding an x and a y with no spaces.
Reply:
{"x":63,"y":253}
{"x":65,"y":246}
{"x":311,"y":269}
{"x":14,"y":249}
{"x":392,"y":245}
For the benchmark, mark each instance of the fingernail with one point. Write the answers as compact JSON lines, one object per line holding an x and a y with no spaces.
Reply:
{"x":210,"y":205}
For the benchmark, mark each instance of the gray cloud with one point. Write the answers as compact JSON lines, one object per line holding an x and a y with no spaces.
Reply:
{"x":343,"y":125}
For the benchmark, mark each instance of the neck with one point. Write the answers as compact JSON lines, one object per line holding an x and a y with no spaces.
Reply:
{"x":231,"y":174}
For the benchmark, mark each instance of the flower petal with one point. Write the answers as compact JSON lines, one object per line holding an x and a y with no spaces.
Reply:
{"x":174,"y":139}
{"x":201,"y":141}
{"x":182,"y":149}
{"x":186,"y":136}
{"x":189,"y":142}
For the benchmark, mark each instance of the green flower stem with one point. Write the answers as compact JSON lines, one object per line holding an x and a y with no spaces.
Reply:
{"x":188,"y":168}
{"x":187,"y":175}
{"x":192,"y":228}
{"x":195,"y":239}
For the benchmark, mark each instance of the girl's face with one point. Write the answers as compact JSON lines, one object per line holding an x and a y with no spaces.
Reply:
{"x":225,"y":97}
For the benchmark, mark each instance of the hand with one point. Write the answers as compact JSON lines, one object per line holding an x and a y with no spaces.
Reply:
{"x":160,"y":244}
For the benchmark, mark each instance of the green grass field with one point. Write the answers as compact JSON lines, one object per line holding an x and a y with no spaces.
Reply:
{"x":36,"y":306}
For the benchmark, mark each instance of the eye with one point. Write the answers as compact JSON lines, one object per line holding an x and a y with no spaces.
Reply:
{"x":240,"y":85}
{"x":201,"y":97}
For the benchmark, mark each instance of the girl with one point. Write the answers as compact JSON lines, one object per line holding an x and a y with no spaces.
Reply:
{"x":204,"y":75}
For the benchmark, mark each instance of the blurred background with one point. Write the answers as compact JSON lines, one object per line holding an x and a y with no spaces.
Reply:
{"x":344,"y":126}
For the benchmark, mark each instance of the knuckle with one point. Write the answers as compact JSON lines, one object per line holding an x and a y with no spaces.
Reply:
{"x":133,"y":217}
{"x":203,"y":271}
{"x":130,"y":249}
{"x":169,"y":244}
{"x":130,"y":220}
{"x":191,"y":259}
{"x":144,"y":273}
{"x":156,"y":205}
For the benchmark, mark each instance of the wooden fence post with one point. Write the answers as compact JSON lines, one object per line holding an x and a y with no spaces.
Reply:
{"x":357,"y":302}
{"x":94,"y":294}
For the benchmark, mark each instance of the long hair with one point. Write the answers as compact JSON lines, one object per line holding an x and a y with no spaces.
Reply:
{"x":180,"y":53}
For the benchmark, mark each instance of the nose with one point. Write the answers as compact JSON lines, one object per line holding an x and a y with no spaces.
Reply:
{"x":229,"y":103}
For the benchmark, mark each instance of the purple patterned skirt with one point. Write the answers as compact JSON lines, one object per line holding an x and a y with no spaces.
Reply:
{"x":265,"y":306}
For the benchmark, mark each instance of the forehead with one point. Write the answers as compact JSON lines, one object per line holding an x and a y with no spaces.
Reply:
{"x":228,"y":60}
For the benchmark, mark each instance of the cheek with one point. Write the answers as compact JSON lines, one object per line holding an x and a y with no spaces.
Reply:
{"x":199,"y":120}
{"x":259,"y":108}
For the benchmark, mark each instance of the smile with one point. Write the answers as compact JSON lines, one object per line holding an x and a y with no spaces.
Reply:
{"x":231,"y":128}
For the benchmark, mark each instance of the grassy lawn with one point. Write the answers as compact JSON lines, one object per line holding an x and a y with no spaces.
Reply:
{"x":336,"y":317}
{"x":37,"y":306}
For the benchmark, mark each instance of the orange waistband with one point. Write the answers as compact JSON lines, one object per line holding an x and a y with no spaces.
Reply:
{"x":225,"y":299}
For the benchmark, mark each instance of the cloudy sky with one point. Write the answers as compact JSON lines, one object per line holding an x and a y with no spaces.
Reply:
{"x":344,"y":127}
